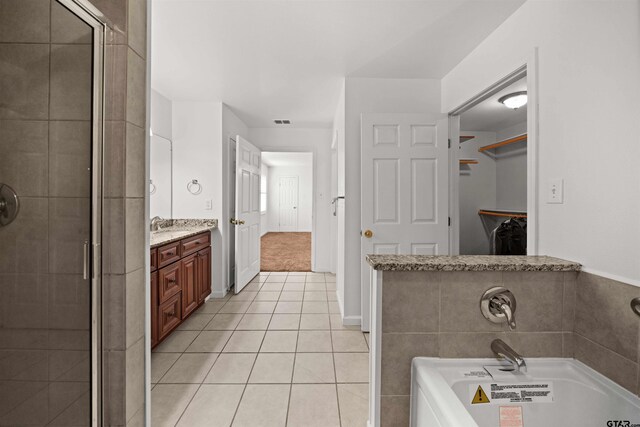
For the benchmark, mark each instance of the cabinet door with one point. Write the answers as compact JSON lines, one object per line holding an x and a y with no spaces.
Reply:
{"x":154,"y":309}
{"x":189,"y":284}
{"x":204,"y":274}
{"x":169,"y":279}
{"x":169,"y":316}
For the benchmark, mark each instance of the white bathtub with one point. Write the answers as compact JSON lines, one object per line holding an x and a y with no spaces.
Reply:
{"x":568,"y":393}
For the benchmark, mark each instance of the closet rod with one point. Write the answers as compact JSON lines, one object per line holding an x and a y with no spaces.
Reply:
{"x":502,"y":214}
{"x":503,"y":143}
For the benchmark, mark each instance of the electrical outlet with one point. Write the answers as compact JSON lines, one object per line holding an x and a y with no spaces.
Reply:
{"x":555,"y":191}
{"x":208,"y":205}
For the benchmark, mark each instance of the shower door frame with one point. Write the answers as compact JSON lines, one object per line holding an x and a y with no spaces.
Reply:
{"x":99,"y":24}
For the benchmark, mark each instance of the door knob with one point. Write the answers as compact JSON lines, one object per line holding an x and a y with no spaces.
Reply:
{"x":236,"y":221}
{"x":368,"y":234}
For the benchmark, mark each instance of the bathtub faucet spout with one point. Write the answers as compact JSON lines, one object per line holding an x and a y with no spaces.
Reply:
{"x":502,"y":349}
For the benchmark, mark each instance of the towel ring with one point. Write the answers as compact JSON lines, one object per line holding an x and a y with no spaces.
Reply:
{"x":152,"y":187}
{"x":194,"y":187}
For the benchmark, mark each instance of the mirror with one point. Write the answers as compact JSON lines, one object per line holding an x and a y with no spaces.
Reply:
{"x":161,"y":181}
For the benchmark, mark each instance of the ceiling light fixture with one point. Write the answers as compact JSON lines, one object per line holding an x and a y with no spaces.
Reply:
{"x":514,"y":100}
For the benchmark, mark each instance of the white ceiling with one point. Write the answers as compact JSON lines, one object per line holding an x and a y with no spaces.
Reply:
{"x":271,"y":158}
{"x":271,"y":59}
{"x":492,"y":116}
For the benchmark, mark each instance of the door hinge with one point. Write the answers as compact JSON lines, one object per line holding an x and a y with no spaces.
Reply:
{"x":449,"y":221}
{"x":448,"y":143}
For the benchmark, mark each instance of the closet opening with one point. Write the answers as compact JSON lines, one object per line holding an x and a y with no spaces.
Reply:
{"x":491,"y":176}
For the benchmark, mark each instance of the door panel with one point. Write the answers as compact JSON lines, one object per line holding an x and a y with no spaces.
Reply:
{"x":404,"y":188}
{"x":247,"y":227}
{"x":288,"y":203}
{"x":189,"y":284}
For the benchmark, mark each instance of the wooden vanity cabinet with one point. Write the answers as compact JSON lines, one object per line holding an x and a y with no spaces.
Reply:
{"x":180,"y":282}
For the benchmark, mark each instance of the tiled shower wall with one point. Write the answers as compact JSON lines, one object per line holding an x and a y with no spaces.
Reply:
{"x":43,"y":134}
{"x":559,"y":314}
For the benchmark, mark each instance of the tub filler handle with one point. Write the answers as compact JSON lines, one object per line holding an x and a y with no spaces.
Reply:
{"x":498,"y":305}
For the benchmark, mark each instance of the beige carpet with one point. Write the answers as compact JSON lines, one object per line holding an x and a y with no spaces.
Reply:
{"x":285,"y":252}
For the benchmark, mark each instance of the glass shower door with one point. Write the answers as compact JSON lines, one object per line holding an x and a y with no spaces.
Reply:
{"x":50,"y":159}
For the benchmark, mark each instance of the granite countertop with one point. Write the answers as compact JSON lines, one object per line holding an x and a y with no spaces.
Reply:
{"x":469,"y":263}
{"x":172,"y":230}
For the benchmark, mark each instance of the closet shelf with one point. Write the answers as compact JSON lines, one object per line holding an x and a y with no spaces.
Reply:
{"x":503,"y":143}
{"x":502,"y":213}
{"x":465,"y":138}
{"x":469,"y":161}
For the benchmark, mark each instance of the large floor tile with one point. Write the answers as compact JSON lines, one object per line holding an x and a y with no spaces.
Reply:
{"x":235,"y":307}
{"x":349,"y":341}
{"x":265,"y":307}
{"x":244,"y":342}
{"x":279,"y":342}
{"x":160,"y":364}
{"x":293,"y":287}
{"x":285,"y":322}
{"x":314,"y":341}
{"x":245,"y":295}
{"x":224,"y":322}
{"x":272,"y":287}
{"x":214,"y":405}
{"x":254,"y":322}
{"x":209,"y":342}
{"x":263,"y":405}
{"x":314,"y":368}
{"x":354,"y":404}
{"x":267,"y":296}
{"x":231,"y":368}
{"x":315,"y":287}
{"x":315,"y":307}
{"x":314,"y":321}
{"x":315,"y":296}
{"x":313,"y":405}
{"x":195,"y":322}
{"x":352,"y":367}
{"x":169,"y":402}
{"x":315,"y":279}
{"x":288,"y":307}
{"x":336,"y":323}
{"x":272,"y":368}
{"x":291,"y":296}
{"x":211,"y":307}
{"x":177,"y":342}
{"x":190,"y":368}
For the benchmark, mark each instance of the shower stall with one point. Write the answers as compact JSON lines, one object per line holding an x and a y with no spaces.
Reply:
{"x":51,"y":133}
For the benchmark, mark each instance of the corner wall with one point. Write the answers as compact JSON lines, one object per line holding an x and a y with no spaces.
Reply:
{"x":588,"y":123}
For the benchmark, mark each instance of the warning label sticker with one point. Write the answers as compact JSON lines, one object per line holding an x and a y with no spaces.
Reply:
{"x":511,"y":416}
{"x":501,"y":393}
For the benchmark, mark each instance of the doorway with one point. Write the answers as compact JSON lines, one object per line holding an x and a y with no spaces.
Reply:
{"x":492,"y":166}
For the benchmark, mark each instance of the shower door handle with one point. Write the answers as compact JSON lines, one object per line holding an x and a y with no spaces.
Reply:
{"x":86,"y":255}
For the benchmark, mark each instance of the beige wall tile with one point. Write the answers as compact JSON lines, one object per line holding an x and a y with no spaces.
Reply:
{"x":68,"y":28}
{"x":26,"y":241}
{"x":115,"y":10}
{"x":410,"y":301}
{"x":616,"y":367}
{"x":135,"y":234}
{"x":135,"y":378}
{"x":71,"y":82}
{"x":24,"y":81}
{"x":603,"y":314}
{"x":24,"y":21}
{"x":136,"y":89}
{"x":460,"y":294}
{"x":135,"y":299}
{"x":69,"y":158}
{"x":138,"y":26}
{"x":397,"y":352}
{"x":394,"y":411}
{"x":569,"y":300}
{"x":135,"y":161}
{"x":539,"y":297}
{"x":113,"y":254}
{"x":70,"y":222}
{"x":69,"y":299}
{"x":115,"y":82}
{"x":24,"y":164}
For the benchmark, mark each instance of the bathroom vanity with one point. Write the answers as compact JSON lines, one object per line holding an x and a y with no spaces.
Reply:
{"x":180,"y":274}
{"x":430,"y":306}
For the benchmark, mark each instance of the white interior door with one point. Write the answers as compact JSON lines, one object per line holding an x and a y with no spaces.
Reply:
{"x":288,"y":203}
{"x":405,"y":189}
{"x":247,"y":219}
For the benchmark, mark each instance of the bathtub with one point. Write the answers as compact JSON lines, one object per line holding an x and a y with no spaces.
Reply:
{"x":553,"y":393}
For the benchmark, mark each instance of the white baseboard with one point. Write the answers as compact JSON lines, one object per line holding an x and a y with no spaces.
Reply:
{"x":351,"y":320}
{"x":218,"y":294}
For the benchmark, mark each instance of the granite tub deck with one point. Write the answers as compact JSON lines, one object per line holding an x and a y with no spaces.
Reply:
{"x":173,"y":230}
{"x":469,"y":263}
{"x":430,"y":306}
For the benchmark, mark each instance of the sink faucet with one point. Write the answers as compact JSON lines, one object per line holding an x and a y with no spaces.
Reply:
{"x":155,"y":226}
{"x":502,"y":349}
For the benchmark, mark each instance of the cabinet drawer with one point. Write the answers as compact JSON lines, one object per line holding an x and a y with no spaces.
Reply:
{"x":168,"y":254}
{"x":169,"y":316}
{"x":154,"y":259}
{"x":169,"y":282}
{"x":195,"y":243}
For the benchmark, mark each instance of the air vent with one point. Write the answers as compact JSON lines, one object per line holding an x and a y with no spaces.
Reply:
{"x":282,"y":122}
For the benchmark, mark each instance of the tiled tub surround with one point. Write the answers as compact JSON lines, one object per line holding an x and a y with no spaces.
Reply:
{"x":173,"y":230}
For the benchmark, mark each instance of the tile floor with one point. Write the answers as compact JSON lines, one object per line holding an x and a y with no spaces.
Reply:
{"x":276,"y":354}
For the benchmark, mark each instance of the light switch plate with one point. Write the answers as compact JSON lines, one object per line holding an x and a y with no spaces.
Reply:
{"x":555,"y":191}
